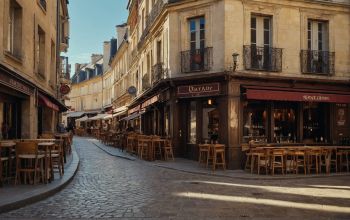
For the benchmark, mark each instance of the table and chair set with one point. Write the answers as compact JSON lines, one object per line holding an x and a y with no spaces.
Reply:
{"x":149,"y":147}
{"x":212,"y":154}
{"x":34,"y":160}
{"x":297,"y":159}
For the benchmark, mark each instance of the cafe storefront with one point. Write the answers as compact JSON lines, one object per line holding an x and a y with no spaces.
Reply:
{"x":199,"y":116}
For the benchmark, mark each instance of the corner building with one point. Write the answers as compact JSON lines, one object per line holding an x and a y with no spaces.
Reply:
{"x":290,"y":83}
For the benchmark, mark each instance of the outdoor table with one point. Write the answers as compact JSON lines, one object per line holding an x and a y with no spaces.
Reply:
{"x":160,"y":142}
{"x":47,"y":147}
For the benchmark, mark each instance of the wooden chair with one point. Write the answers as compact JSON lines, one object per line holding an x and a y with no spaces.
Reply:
{"x":4,"y":159}
{"x":168,"y":150}
{"x":324,"y":160}
{"x":29,"y":161}
{"x":313,"y":156}
{"x":277,"y":160}
{"x":57,"y":157}
{"x":300,"y":161}
{"x":219,"y":156}
{"x":248,"y":161}
{"x":204,"y":151}
{"x":343,"y":158}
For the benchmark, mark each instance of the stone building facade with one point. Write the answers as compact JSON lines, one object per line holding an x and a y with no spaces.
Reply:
{"x":232,"y":71}
{"x":33,"y":34}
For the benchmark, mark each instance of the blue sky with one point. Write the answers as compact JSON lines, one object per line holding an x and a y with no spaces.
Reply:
{"x":91,"y":23}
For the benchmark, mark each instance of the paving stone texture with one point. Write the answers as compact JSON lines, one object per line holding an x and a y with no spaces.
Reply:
{"x":112,"y":187}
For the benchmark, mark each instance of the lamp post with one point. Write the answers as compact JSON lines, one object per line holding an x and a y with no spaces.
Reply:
{"x":235,"y":61}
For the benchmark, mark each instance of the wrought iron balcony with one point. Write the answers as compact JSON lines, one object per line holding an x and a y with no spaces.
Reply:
{"x":317,"y":62}
{"x":158,"y":73}
{"x":150,"y":18}
{"x":196,"y":60}
{"x":145,"y":82}
{"x":262,"y":58}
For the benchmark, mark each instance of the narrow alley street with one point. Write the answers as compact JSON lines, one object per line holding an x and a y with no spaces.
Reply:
{"x":111,"y":187}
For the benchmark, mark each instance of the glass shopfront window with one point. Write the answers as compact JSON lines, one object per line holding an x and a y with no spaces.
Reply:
{"x":315,"y":120}
{"x":193,"y":123}
{"x":210,"y":131}
{"x":285,"y":121}
{"x":255,"y":122}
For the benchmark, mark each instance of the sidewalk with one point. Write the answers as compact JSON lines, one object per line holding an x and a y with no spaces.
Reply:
{"x":13,"y":197}
{"x":190,"y":166}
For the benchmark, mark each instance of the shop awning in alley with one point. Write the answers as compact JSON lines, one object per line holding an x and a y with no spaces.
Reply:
{"x":120,"y":109}
{"x":133,"y":116}
{"x":85,"y":118}
{"x":98,"y":117}
{"x":260,"y":94}
{"x":75,"y":114}
{"x":46,"y":102}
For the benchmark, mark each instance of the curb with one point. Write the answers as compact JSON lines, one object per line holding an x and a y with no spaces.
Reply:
{"x":120,"y":156}
{"x":46,"y":192}
{"x":254,"y":178}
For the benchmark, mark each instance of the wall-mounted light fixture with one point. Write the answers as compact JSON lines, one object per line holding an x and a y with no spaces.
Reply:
{"x":235,"y":61}
{"x":210,"y":102}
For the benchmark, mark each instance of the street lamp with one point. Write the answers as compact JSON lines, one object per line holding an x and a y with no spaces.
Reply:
{"x":235,"y":61}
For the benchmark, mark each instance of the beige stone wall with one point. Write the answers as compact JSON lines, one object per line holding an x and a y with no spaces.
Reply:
{"x":87,"y":95}
{"x":289,"y":25}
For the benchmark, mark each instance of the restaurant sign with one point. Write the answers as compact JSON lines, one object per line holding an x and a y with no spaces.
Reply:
{"x":209,"y":89}
{"x":15,"y":83}
{"x":150,"y":101}
{"x":135,"y":109}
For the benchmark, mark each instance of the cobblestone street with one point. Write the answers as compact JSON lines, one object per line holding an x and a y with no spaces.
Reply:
{"x":111,"y":187}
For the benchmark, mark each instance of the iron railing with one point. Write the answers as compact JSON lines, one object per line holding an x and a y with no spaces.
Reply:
{"x":150,"y":18}
{"x":262,"y":58}
{"x":196,"y":60}
{"x":158,"y":73}
{"x":317,"y":62}
{"x":145,"y":82}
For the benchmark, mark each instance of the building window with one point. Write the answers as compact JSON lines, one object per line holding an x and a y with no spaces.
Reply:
{"x":42,"y":4}
{"x":53,"y":65}
{"x":317,"y":58}
{"x":41,"y":54}
{"x":255,"y":121}
{"x":197,"y":33}
{"x":14,"y":38}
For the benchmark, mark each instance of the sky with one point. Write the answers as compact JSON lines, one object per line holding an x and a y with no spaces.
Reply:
{"x":91,"y":23}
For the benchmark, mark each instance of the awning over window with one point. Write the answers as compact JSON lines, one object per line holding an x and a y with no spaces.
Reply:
{"x":85,"y":118}
{"x":46,"y":102}
{"x":133,"y":116}
{"x":75,"y":114}
{"x":278,"y":95}
{"x":98,"y":117}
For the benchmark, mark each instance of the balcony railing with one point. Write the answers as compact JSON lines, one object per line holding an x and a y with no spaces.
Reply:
{"x":158,"y":73}
{"x":145,"y":82}
{"x":262,"y":58}
{"x":196,"y":60}
{"x":150,"y":18}
{"x":317,"y":62}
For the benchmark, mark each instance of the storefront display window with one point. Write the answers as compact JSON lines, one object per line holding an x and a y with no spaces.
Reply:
{"x":314,"y":118}
{"x":255,"y":122}
{"x":285,"y":129}
{"x":210,"y":126}
{"x":193,"y":123}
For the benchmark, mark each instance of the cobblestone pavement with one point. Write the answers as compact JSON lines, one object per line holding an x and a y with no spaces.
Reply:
{"x":111,"y":187}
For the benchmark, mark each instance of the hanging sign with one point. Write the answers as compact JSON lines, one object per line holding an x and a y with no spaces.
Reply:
{"x":64,"y":89}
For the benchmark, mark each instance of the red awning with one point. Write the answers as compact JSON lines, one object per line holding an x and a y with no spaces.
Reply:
{"x":278,"y":95}
{"x":45,"y":101}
